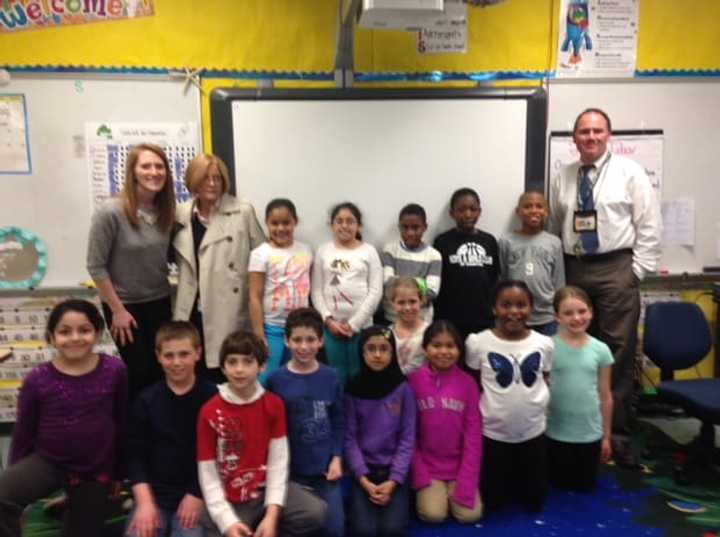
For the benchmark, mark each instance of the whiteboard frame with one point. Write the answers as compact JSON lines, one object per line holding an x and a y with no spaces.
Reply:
{"x":223,"y":142}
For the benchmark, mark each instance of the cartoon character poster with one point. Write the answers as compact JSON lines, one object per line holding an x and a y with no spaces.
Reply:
{"x":577,"y":29}
{"x":597,"y":39}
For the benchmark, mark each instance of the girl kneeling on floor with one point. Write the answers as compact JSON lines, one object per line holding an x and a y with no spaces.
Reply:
{"x":446,"y":464}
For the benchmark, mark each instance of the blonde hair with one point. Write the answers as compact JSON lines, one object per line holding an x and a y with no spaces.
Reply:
{"x":571,"y":291}
{"x":197,"y":170}
{"x":407,"y":283}
{"x":164,"y":201}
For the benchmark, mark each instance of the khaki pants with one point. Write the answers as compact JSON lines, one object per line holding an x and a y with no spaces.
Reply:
{"x":434,"y":501}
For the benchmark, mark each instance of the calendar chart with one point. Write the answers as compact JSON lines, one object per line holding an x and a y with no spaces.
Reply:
{"x":109,"y":144}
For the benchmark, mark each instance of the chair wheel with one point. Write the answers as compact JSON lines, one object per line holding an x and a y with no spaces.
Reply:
{"x":681,"y":476}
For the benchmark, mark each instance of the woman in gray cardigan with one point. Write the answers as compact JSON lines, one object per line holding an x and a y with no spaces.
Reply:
{"x":216,"y":232}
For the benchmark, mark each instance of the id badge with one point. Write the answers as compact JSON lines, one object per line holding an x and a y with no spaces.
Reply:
{"x":585,"y":221}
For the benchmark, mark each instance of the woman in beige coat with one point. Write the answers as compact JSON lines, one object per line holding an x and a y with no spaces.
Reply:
{"x":215,"y":235}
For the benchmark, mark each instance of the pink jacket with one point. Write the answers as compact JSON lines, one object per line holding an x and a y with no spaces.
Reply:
{"x":449,"y":431}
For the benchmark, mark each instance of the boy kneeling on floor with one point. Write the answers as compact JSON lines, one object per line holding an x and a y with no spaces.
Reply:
{"x":243,"y":453}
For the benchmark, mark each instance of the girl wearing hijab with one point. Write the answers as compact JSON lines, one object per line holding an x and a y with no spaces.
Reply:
{"x":379,"y":438}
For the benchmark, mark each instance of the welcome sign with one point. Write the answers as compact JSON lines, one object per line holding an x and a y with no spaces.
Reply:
{"x":19,"y":15}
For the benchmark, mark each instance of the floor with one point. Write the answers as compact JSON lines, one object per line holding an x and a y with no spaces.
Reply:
{"x":626,"y":503}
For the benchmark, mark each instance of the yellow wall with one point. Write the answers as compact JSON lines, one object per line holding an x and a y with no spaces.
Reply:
{"x":679,"y":35}
{"x":270,"y":35}
{"x":292,"y":35}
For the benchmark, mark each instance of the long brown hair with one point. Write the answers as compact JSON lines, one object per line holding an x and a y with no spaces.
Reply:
{"x":164,"y":201}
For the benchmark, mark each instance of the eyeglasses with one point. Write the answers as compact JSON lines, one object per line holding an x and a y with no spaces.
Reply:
{"x":213,"y":179}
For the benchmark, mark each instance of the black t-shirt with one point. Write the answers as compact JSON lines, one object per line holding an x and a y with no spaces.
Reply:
{"x":470,"y":270}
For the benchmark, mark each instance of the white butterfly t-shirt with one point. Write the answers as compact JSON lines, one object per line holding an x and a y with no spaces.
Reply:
{"x":515,"y":395}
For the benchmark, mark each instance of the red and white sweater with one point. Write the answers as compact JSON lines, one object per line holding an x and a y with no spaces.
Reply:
{"x":242,"y":452}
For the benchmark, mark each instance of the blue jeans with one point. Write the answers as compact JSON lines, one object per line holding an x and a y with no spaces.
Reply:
{"x":279,"y":353}
{"x":170,"y":526}
{"x":370,"y":520}
{"x":331,"y":492}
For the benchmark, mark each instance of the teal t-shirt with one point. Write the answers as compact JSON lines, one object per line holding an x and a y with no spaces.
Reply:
{"x":574,"y":410}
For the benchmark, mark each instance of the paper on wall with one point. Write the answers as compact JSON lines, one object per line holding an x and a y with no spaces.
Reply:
{"x":597,"y":38}
{"x":108,"y":145}
{"x":447,"y":34}
{"x":645,"y":149}
{"x":678,"y":217}
{"x":14,"y":147}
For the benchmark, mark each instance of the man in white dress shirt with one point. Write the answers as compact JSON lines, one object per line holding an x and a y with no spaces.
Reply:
{"x":608,"y":217}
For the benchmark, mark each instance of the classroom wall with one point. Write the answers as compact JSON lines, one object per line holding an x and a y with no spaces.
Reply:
{"x":54,"y":201}
{"x":294,"y":42}
{"x":286,"y":39}
{"x":688,"y":113}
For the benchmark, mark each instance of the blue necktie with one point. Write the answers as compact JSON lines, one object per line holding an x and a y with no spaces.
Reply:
{"x":589,"y":239}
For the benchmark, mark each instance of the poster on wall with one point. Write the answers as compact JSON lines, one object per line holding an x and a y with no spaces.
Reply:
{"x":108,"y":145}
{"x":644,"y":148}
{"x":447,"y":34}
{"x":597,"y":39}
{"x":19,"y":15}
{"x":14,"y":144}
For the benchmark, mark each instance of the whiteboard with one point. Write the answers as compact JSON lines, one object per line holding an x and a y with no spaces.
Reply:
{"x":382,"y":150}
{"x":688,"y":113}
{"x":54,"y":200}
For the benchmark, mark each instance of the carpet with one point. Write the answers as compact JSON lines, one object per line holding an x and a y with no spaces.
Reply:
{"x":627,"y":503}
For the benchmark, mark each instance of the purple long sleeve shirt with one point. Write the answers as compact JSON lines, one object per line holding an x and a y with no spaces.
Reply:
{"x":74,"y":422}
{"x":381,"y":432}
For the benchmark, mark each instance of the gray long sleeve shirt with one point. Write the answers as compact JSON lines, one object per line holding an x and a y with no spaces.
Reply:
{"x":135,"y":260}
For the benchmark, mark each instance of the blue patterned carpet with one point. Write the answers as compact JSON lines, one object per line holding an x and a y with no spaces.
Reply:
{"x":609,"y":512}
{"x":625,"y":504}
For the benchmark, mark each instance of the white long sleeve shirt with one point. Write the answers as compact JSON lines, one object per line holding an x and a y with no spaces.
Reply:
{"x":628,"y":211}
{"x":347,"y":284}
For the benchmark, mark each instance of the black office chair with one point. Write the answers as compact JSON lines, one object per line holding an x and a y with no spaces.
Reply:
{"x":677,"y":336}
